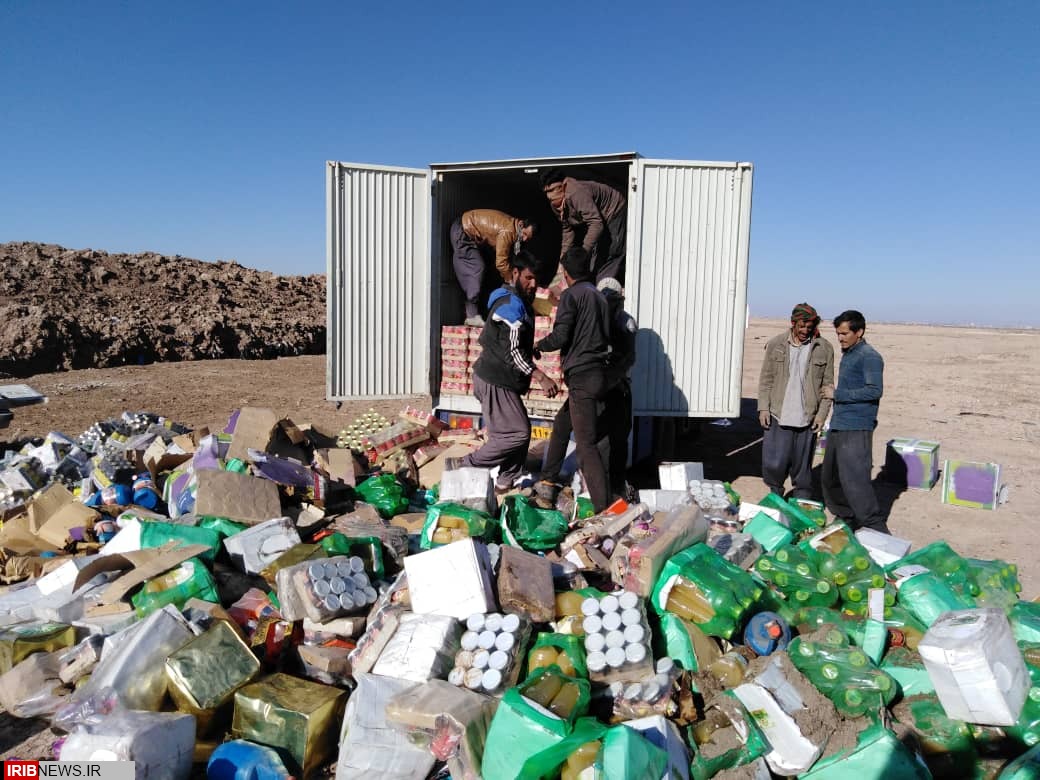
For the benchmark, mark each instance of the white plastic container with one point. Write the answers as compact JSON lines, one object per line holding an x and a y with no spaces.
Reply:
{"x":790,"y":753}
{"x":161,"y":743}
{"x":884,"y":549}
{"x":976,"y":667}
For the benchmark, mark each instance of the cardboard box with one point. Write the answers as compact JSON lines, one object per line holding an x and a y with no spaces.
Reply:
{"x":53,"y":512}
{"x":677,"y":476}
{"x":636,"y":567}
{"x":453,"y":580}
{"x":525,"y":585}
{"x":253,"y":430}
{"x":238,"y":497}
{"x":472,"y":487}
{"x":975,"y":485}
{"x":912,"y":462}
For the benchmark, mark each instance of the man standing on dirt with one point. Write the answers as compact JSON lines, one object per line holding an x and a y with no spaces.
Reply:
{"x":597,"y":210}
{"x":797,"y":366}
{"x":581,"y":332}
{"x":848,"y":460}
{"x":504,"y":372}
{"x":471,"y":233}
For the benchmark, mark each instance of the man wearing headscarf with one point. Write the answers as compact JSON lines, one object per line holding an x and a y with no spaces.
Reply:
{"x":791,"y":408}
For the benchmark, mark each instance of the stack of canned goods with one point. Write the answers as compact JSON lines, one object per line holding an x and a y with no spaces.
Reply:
{"x":341,"y":585}
{"x":617,"y":638}
{"x":353,"y":435}
{"x":138,"y":422}
{"x":709,"y":494}
{"x":649,"y":696}
{"x":488,"y":653}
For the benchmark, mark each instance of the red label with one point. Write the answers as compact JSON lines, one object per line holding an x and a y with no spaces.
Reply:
{"x":20,"y":769}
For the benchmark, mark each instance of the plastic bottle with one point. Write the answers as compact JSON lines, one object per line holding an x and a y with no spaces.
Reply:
{"x":242,"y":760}
{"x":564,"y":702}
{"x":688,"y":602}
{"x":766,"y":633}
{"x":729,"y":669}
{"x":543,"y":690}
{"x":580,"y":760}
{"x":145,"y":493}
{"x":568,"y":603}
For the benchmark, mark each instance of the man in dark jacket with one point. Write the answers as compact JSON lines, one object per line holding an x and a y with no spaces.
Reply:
{"x":475,"y":232}
{"x":597,"y":211}
{"x":504,"y":372}
{"x":848,"y":459}
{"x":582,"y":333}
{"x":617,"y":415}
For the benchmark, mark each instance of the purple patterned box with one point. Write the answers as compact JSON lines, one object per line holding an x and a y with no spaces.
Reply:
{"x":975,"y":485}
{"x":912,"y":462}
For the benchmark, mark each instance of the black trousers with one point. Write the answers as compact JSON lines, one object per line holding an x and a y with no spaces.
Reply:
{"x":580,"y":413}
{"x":617,"y":422}
{"x":847,"y":489}
{"x":469,"y":266}
{"x":609,"y":256}
{"x":788,"y":451}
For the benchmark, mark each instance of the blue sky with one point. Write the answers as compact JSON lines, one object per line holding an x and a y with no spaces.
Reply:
{"x":896,"y":145}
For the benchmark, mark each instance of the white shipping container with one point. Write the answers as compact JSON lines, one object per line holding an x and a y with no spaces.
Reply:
{"x":391,"y":285}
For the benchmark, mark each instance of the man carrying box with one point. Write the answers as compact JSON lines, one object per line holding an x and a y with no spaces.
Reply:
{"x":504,"y":373}
{"x":797,"y":366}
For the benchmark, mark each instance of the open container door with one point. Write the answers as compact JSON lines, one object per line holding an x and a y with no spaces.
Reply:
{"x":686,"y":285}
{"x":378,"y":281}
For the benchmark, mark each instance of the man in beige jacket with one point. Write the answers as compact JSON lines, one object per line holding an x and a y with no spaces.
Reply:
{"x":798,"y":364}
{"x":474,"y":232}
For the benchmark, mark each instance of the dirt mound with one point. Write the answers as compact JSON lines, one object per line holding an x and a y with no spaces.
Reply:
{"x":82,"y":308}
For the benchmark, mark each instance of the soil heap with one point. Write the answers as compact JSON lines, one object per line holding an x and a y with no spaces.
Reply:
{"x":65,"y":309}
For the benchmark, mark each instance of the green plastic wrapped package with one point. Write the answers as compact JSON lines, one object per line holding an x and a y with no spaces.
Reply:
{"x":583,"y":508}
{"x":384,"y":493}
{"x":701,"y":586}
{"x":573,"y":646}
{"x":838,"y":555}
{"x":1026,"y":732}
{"x":447,"y":523}
{"x":190,"y":579}
{"x":368,"y":548}
{"x":808,"y":619}
{"x":525,"y":525}
{"x":222,"y":526}
{"x":907,"y":669}
{"x":940,"y":559}
{"x":625,"y":749}
{"x":1025,"y":767}
{"x":768,"y":532}
{"x":156,"y":534}
{"x":527,"y":740}
{"x":844,"y":674}
{"x":926,"y":595}
{"x":996,"y":582}
{"x":947,"y":744}
{"x":812,"y":509}
{"x":878,"y":755}
{"x":686,"y":644}
{"x":797,"y":520}
{"x":1025,"y":621}
{"x":1031,"y":655}
{"x":789,"y":569}
{"x":725,"y":712}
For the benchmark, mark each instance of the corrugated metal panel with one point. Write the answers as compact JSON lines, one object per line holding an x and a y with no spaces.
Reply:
{"x":689,"y":227}
{"x":378,"y":281}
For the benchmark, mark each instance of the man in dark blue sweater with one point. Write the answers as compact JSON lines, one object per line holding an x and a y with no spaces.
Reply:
{"x":504,"y":372}
{"x":848,"y":459}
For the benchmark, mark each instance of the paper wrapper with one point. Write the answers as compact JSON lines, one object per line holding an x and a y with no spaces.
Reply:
{"x":423,"y":647}
{"x":290,"y":713}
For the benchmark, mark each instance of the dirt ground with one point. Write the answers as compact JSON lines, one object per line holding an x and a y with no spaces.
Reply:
{"x":976,"y":391}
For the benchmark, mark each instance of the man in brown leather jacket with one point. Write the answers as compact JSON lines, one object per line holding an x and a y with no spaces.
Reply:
{"x":792,"y":409}
{"x":471,"y":235}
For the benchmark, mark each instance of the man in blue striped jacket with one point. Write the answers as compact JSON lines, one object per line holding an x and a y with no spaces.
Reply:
{"x":504,"y":372}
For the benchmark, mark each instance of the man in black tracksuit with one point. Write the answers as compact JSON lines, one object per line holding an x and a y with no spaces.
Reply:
{"x":504,"y":372}
{"x":582,"y":333}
